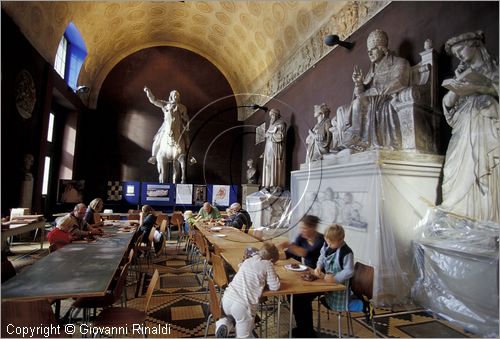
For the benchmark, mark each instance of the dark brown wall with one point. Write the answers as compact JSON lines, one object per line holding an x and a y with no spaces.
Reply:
{"x":19,"y":135}
{"x":408,"y":25}
{"x":122,"y":103}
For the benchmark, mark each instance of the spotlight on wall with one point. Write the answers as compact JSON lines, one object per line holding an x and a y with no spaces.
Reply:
{"x":332,"y":40}
{"x":82,"y":89}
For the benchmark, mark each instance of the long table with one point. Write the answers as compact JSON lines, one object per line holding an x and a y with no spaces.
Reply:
{"x":83,"y":269}
{"x":15,"y":229}
{"x":232,"y":247}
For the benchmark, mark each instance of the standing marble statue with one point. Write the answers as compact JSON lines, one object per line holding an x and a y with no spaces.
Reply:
{"x":273,"y":169}
{"x":371,"y":121}
{"x":319,"y":138}
{"x":171,"y":141}
{"x":471,"y":169}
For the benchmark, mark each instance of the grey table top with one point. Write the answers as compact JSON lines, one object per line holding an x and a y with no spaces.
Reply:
{"x":78,"y":269}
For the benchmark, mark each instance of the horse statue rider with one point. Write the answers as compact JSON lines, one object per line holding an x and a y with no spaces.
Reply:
{"x":171,"y":141}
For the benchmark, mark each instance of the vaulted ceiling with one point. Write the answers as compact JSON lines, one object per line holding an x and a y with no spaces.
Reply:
{"x":246,"y":40}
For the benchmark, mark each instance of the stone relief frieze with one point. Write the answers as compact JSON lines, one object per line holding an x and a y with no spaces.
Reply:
{"x":352,"y":16}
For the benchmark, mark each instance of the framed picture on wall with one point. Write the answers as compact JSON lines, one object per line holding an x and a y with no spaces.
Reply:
{"x":199,"y":194}
{"x":70,"y":191}
{"x":260,"y":133}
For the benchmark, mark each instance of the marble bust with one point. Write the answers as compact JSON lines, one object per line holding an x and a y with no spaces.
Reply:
{"x":251,"y":172}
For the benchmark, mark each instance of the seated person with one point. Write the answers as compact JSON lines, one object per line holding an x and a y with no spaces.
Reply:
{"x":241,"y":297}
{"x":335,"y":265}
{"x":79,"y":228}
{"x":149,"y":220}
{"x":307,"y":245}
{"x":60,"y":235}
{"x":95,"y":207}
{"x":189,"y":221}
{"x":238,"y":217}
{"x":209,"y":212}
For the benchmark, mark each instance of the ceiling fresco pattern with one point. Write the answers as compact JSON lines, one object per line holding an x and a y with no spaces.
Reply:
{"x":247,"y":40}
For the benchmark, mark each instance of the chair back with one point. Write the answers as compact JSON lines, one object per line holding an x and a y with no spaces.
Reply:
{"x":120,"y":284}
{"x":163,"y":226}
{"x":32,"y":313}
{"x":219,"y":271}
{"x":160,"y":217}
{"x":177,"y":219}
{"x":362,"y":280}
{"x":151,"y":288}
{"x":199,"y":242}
{"x":130,"y":256}
{"x":215,"y":308}
{"x":151,"y":235}
{"x":134,"y":217}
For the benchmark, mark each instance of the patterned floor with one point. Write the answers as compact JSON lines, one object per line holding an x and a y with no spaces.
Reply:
{"x":180,"y":304}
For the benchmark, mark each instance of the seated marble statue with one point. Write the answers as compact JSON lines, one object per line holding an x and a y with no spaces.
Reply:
{"x":472,"y":164}
{"x":371,"y":121}
{"x":319,"y":139}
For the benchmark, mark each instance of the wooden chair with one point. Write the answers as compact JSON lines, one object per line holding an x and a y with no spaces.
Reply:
{"x":322,"y":301}
{"x":33,"y":313}
{"x":160,"y":217}
{"x":135,"y":217}
{"x":362,"y":287}
{"x":114,"y":217}
{"x":219,"y":273}
{"x":215,"y":306}
{"x":112,"y":296}
{"x":124,"y":316}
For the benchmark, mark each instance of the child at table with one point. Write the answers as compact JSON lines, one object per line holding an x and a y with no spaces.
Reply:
{"x":335,"y":265}
{"x":241,"y":297}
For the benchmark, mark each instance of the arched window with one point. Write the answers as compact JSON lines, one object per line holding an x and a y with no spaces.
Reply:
{"x":70,"y":55}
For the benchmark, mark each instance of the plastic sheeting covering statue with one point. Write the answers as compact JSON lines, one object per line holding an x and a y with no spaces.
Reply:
{"x":171,"y":141}
{"x":472,"y":165}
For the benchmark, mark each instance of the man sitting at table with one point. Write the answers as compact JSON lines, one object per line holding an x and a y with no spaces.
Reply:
{"x":60,"y":235}
{"x":209,"y":212}
{"x":241,"y":297}
{"x":79,"y":227}
{"x":239,"y":217}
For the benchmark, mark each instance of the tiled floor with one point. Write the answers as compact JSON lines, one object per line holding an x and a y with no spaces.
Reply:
{"x":181,"y":305}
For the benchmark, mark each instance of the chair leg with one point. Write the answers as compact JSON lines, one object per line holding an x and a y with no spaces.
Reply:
{"x":340,"y":325}
{"x":208,"y":324}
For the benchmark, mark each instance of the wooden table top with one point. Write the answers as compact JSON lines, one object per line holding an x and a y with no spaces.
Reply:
{"x":291,"y":282}
{"x":78,"y":269}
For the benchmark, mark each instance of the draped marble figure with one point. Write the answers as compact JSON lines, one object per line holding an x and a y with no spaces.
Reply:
{"x":273,"y":169}
{"x":320,"y":137}
{"x":370,"y":121}
{"x":471,"y":169}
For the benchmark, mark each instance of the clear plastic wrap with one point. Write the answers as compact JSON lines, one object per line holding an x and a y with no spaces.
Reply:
{"x":457,"y":270}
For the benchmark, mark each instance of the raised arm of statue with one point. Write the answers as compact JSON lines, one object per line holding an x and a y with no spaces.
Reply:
{"x":152,"y":99}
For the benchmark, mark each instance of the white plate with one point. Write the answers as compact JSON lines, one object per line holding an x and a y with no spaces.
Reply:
{"x":219,"y":235}
{"x":300,"y":269}
{"x":216,"y":228}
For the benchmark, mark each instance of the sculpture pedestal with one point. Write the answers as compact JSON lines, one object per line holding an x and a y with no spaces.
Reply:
{"x":269,"y":209}
{"x":247,"y":189}
{"x":379,"y":197}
